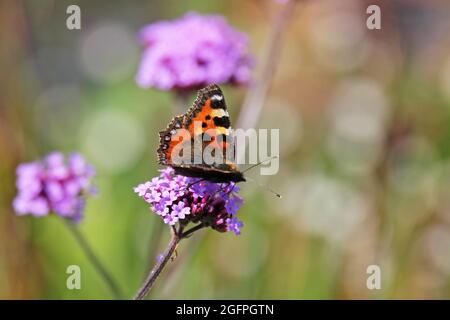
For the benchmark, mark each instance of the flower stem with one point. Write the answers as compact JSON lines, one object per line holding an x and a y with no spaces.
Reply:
{"x":158,"y":268}
{"x":94,"y":260}
{"x":189,"y":232}
{"x":256,"y":95}
{"x":155,"y":241}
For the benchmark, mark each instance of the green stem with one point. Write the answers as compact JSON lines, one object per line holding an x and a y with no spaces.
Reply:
{"x":94,"y":260}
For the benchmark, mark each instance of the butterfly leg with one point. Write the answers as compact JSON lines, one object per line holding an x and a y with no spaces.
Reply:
{"x":194,"y":183}
{"x":232,"y":189}
{"x":175,"y":255}
{"x":221,"y":189}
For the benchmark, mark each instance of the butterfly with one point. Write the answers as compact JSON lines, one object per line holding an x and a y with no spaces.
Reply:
{"x":207,"y":125}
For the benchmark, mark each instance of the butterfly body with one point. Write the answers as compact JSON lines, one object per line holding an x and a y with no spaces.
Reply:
{"x":207,"y":126}
{"x":211,"y":174}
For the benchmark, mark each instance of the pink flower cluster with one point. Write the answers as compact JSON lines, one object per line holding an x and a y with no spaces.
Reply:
{"x":191,"y":52}
{"x":54,"y":184}
{"x":179,"y":199}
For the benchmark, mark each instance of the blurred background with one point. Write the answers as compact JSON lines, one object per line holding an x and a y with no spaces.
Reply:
{"x":364,"y":118}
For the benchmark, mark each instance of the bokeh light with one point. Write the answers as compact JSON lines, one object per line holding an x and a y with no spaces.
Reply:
{"x":113,"y":140}
{"x":108,"y":53}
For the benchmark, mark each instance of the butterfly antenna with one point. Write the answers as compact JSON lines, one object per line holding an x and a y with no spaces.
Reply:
{"x":195,"y":182}
{"x":259,"y":163}
{"x":264,"y":187}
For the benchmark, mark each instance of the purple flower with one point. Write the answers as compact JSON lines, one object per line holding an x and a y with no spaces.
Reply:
{"x":142,"y":188}
{"x":233,"y":224}
{"x":151,"y":197}
{"x":168,"y":196}
{"x":179,"y":199}
{"x":180,"y":210}
{"x":54,"y":184}
{"x":170,"y":219}
{"x":233,"y":204}
{"x":193,"y":51}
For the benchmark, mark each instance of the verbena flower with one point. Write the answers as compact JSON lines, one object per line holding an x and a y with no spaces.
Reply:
{"x":54,"y":184}
{"x":178,"y":200}
{"x":193,"y":51}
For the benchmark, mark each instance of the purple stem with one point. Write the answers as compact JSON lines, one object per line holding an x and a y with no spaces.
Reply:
{"x":159,"y":266}
{"x":189,"y":232}
{"x":256,"y":95}
{"x":177,"y":236}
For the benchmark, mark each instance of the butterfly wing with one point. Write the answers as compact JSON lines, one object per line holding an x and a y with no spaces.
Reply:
{"x":207,"y":121}
{"x":168,"y":139}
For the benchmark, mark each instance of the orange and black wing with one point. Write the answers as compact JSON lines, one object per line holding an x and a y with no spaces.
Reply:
{"x":168,"y":139}
{"x":207,"y":120}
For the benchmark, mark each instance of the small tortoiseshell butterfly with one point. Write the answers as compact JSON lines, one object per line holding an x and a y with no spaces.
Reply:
{"x":207,"y":122}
